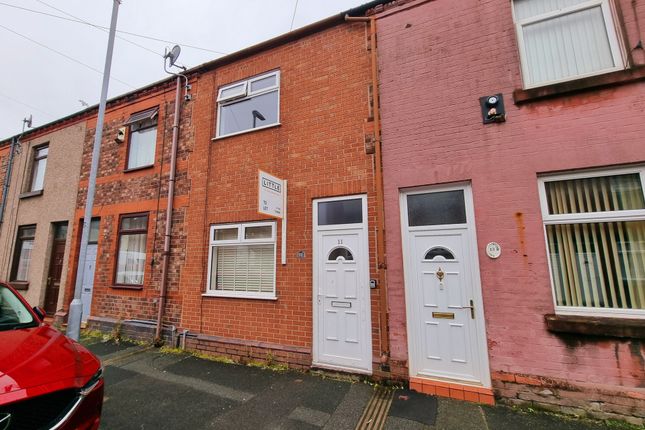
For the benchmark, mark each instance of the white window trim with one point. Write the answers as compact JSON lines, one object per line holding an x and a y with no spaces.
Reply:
{"x":210,"y":292}
{"x":612,"y":36}
{"x":246,"y":95}
{"x":589,"y":217}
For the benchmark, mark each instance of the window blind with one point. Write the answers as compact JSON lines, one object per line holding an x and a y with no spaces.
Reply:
{"x":244,"y":268}
{"x":563,"y":39}
{"x":597,"y":264}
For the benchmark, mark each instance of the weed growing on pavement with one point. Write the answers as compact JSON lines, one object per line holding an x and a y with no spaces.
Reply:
{"x":196,"y":354}
{"x":93,"y":336}
{"x":276,"y":367}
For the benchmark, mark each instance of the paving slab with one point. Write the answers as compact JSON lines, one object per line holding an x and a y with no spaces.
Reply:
{"x":456,"y":415}
{"x":108,"y":348}
{"x":415,"y":407}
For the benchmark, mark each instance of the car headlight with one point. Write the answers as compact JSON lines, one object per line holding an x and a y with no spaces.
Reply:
{"x":92,"y":383}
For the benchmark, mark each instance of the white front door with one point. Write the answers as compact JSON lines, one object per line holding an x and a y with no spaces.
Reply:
{"x":446,"y":334}
{"x":88,"y":280}
{"x":342,"y":323}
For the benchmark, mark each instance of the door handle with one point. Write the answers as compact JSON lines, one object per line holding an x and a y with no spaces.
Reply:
{"x":472,"y":308}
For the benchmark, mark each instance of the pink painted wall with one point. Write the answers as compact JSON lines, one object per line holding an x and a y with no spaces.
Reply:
{"x":436,"y":59}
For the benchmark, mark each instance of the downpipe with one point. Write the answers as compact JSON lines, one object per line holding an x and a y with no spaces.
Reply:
{"x":171,"y":195}
{"x":7,"y":177}
{"x":381,"y":263}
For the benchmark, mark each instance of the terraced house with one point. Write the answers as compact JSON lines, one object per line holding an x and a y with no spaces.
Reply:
{"x":514,"y":164}
{"x":301,"y":285}
{"x":123,"y":267}
{"x":39,"y":172}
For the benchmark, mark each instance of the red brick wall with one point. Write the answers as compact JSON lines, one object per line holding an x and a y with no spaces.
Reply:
{"x":319,"y":148}
{"x":436,"y":59}
{"x":119,"y":192}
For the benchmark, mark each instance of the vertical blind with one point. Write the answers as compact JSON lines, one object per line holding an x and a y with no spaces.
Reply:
{"x":597,"y":264}
{"x":565,"y":45}
{"x":244,"y":268}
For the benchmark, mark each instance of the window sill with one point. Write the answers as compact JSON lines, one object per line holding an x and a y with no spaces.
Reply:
{"x":631,"y":328}
{"x":136,"y":169}
{"x":241,"y":296}
{"x":127,"y":287}
{"x":30,"y":194}
{"x":20,"y":285}
{"x":246,"y":131}
{"x":634,"y":74}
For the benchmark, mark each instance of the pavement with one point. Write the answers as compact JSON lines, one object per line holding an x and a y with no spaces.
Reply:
{"x":146,"y":388}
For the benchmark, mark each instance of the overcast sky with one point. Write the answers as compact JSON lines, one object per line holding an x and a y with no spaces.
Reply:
{"x":35,"y":80}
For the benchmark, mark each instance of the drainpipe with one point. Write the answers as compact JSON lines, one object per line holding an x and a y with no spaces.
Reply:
{"x":378,"y":178}
{"x":171,"y":195}
{"x":7,"y":177}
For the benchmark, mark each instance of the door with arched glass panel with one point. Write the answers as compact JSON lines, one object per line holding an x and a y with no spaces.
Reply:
{"x":341,"y":285}
{"x":443,"y":298}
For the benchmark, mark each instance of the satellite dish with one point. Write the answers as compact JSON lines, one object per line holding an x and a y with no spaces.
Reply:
{"x":173,"y":54}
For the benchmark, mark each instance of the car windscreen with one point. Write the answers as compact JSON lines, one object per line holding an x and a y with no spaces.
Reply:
{"x":13,"y":313}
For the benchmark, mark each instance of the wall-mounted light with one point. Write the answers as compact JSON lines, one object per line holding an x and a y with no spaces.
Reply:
{"x":492,"y":108}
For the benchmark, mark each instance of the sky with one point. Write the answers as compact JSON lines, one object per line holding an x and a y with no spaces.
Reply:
{"x":52,"y":67}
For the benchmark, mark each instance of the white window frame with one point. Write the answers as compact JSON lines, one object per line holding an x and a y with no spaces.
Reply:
{"x":588,"y":217}
{"x":246,"y":94}
{"x":612,"y":36}
{"x":241,"y":227}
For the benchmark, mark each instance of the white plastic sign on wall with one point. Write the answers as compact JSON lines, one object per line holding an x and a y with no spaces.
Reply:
{"x":271,"y":195}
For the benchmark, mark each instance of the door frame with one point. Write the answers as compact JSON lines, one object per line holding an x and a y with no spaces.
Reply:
{"x":474,"y":271}
{"x":364,"y":293}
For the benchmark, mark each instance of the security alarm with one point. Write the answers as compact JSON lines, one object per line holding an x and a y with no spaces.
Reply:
{"x":120,"y":135}
{"x":492,"y":108}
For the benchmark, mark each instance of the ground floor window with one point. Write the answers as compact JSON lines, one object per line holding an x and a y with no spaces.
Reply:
{"x":242,"y":260}
{"x":595,"y":232}
{"x":131,"y":258}
{"x":22,"y":253}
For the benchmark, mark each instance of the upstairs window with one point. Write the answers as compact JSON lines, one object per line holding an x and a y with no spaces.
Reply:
{"x":595,"y":231}
{"x":38,"y":166}
{"x":242,"y":260}
{"x":248,"y":105}
{"x":142,"y":139}
{"x":561,"y":40}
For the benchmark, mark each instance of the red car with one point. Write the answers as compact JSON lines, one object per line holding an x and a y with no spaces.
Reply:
{"x":47,"y":381}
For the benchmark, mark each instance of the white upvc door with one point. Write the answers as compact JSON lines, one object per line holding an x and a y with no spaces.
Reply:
{"x":446,"y":333}
{"x":342,"y":323}
{"x":88,"y":281}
